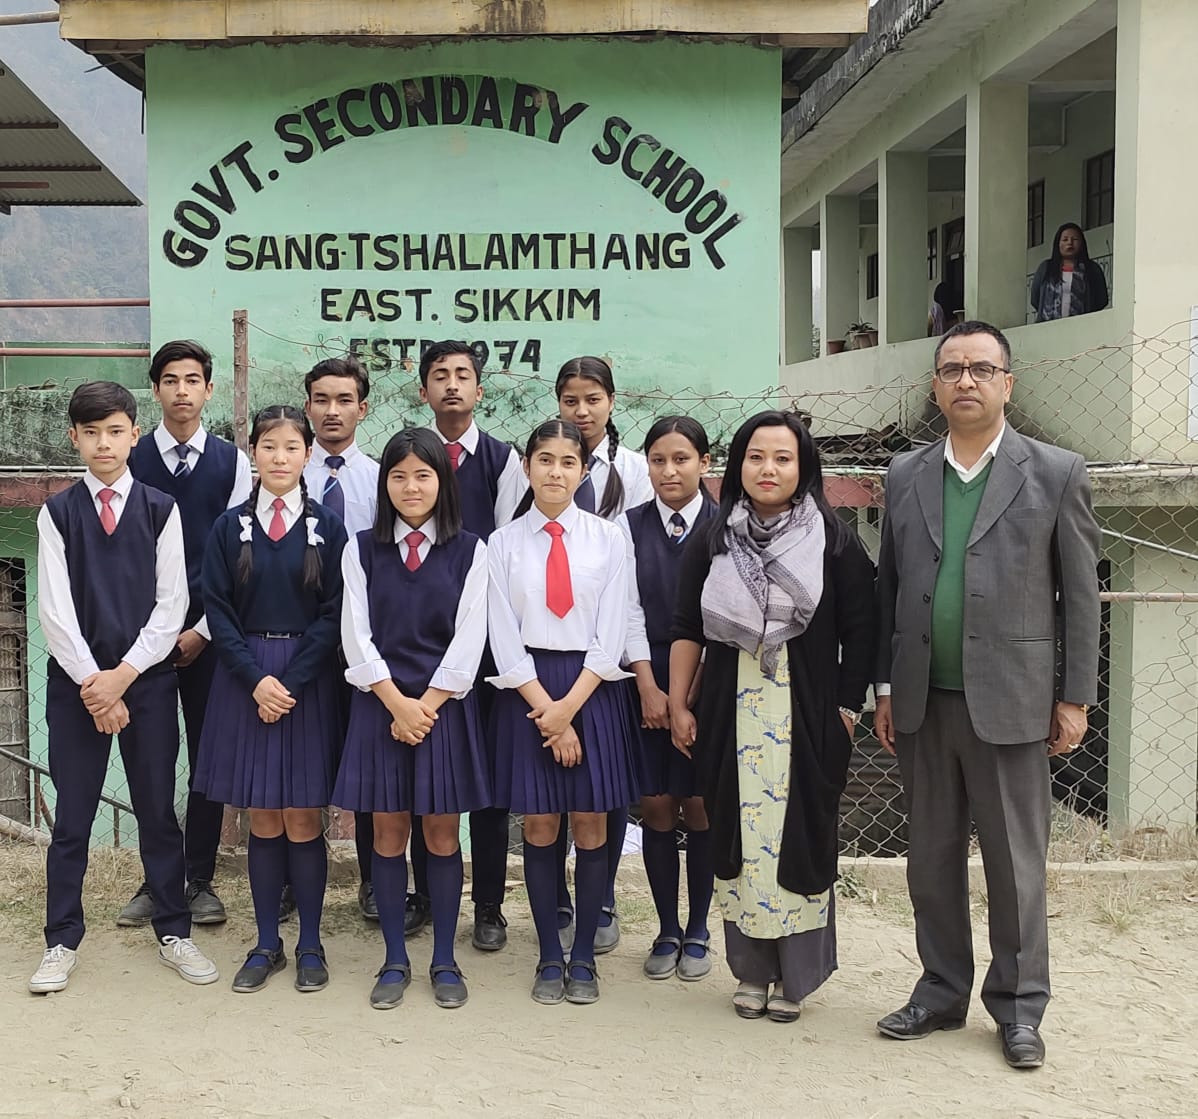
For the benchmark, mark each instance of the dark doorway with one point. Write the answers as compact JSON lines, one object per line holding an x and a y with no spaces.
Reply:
{"x":952,"y":237}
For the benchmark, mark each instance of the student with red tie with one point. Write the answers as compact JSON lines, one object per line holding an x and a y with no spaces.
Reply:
{"x":557,"y":609}
{"x":490,"y":482}
{"x":272,"y":589}
{"x":413,"y":627}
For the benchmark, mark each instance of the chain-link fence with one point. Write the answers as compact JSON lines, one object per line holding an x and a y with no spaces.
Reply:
{"x":1130,"y":409}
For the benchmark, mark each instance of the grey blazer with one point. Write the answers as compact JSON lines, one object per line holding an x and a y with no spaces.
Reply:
{"x":1031,"y":611}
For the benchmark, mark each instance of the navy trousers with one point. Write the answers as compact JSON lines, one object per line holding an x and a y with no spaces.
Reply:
{"x":79,"y":753}
{"x":201,"y":828}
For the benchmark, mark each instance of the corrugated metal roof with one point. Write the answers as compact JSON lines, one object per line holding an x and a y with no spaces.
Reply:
{"x":42,"y":162}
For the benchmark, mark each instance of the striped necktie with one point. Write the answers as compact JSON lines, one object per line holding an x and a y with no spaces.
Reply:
{"x":334,"y":496}
{"x":184,"y":467}
{"x":677,"y":529}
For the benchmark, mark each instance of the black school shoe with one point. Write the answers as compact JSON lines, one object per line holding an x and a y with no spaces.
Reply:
{"x":260,"y":964}
{"x":490,"y":927}
{"x":138,"y":911}
{"x":387,"y":996}
{"x":366,"y":903}
{"x":582,"y":990}
{"x":417,"y":914}
{"x":286,"y":905}
{"x":311,"y":973}
{"x":549,"y":991}
{"x":448,"y":995}
{"x":206,"y":908}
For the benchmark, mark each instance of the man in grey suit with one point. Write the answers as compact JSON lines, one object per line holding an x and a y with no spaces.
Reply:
{"x":989,"y":618}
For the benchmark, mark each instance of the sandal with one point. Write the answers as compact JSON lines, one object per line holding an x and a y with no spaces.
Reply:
{"x":749,"y":1000}
{"x":661,"y":965}
{"x":781,"y":1009}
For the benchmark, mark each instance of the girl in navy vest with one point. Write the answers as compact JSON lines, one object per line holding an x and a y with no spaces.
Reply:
{"x":564,"y":741}
{"x":617,"y":479}
{"x":272,"y":589}
{"x":678,"y":454}
{"x":413,"y":626}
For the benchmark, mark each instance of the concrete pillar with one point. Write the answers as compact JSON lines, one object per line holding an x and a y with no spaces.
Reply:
{"x":839,"y":240}
{"x":798,"y":244}
{"x":1153,"y":735}
{"x":996,"y":203}
{"x":902,"y":239}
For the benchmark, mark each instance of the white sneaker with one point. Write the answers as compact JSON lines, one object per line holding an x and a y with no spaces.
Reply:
{"x":57,"y":965}
{"x":181,"y":953}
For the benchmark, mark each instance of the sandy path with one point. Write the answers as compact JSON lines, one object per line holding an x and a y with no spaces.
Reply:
{"x":130,"y":1035}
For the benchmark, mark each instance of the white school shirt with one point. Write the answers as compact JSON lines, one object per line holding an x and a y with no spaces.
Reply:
{"x":967,"y":475}
{"x":359,"y":479}
{"x":637,"y":647}
{"x":512,"y":482}
{"x":56,"y":607}
{"x":634,"y":473}
{"x":293,"y":507}
{"x":519,"y":620}
{"x":459,"y":666}
{"x":242,"y":481}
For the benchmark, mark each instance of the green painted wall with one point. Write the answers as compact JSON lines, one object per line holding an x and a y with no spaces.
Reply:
{"x":257,"y":142}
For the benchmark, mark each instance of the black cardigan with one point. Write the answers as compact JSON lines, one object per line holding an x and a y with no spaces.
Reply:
{"x":830,"y":667}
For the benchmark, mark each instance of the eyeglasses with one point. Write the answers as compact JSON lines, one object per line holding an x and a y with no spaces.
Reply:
{"x":983,"y":371}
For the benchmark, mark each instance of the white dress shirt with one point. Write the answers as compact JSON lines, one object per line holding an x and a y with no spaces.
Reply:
{"x":634,"y":473}
{"x":242,"y":480}
{"x":459,"y":666}
{"x":293,"y":507}
{"x":637,"y":647}
{"x":519,"y":620}
{"x":967,"y":475}
{"x":512,"y":482}
{"x":359,"y":479}
{"x":56,"y":607}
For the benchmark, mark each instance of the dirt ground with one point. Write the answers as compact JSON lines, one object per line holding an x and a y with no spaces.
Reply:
{"x":130,"y":1036}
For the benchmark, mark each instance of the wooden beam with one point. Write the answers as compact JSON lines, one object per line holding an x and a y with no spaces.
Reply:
{"x":27,"y":125}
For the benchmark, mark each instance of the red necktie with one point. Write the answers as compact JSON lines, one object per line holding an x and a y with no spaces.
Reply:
{"x":455,"y":454}
{"x":107,"y":516}
{"x":278,"y":527}
{"x":413,"y":540}
{"x":559,"y":595}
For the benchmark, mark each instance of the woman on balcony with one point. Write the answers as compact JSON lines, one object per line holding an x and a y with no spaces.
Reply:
{"x":1068,"y":283}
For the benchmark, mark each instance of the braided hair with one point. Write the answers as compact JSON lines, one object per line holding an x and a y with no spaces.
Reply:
{"x":550,"y":429}
{"x":266,"y":420}
{"x":597,"y":369}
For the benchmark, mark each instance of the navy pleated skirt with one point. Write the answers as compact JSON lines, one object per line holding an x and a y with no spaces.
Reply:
{"x":668,"y":771}
{"x":251,"y":764}
{"x":527,"y":778}
{"x":446,"y":773}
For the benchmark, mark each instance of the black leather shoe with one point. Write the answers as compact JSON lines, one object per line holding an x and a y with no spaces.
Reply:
{"x":417,"y":913}
{"x":206,"y":908}
{"x":582,"y":988}
{"x":914,"y":1021}
{"x":366,"y":902}
{"x":387,"y":996}
{"x":260,"y":964}
{"x":1022,"y":1046}
{"x":286,"y":905}
{"x":448,"y":995}
{"x":549,"y":991}
{"x":139,"y":911}
{"x":490,"y":927}
{"x":311,"y":974}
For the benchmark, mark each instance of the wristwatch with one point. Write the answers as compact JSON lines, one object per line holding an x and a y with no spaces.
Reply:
{"x":853,"y":717}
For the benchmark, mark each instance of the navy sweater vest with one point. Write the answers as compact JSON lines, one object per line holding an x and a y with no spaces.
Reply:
{"x":413,"y":614}
{"x":478,"y":484}
{"x":657,"y":564}
{"x":202,"y":496}
{"x":113,"y":579}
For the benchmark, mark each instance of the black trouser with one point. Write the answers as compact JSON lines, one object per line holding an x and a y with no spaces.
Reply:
{"x":202,"y":826}
{"x":488,"y":856}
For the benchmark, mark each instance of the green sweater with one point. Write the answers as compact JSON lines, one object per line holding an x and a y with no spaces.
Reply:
{"x":961,"y":502}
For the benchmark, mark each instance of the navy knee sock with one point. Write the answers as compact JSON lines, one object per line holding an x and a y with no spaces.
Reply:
{"x":445,"y":890}
{"x":660,"y":850}
{"x":267,"y":865}
{"x":617,"y":826}
{"x":700,"y":882}
{"x":561,"y":848}
{"x":540,"y":875}
{"x":590,"y":880}
{"x":309,"y":871}
{"x":390,"y":894}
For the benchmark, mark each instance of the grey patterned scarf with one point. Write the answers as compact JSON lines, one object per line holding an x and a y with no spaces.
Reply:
{"x":764,"y":590}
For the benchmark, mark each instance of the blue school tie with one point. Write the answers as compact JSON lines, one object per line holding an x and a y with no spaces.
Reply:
{"x":584,"y":496}
{"x":184,"y":467}
{"x":677,"y":529}
{"x":334,"y":496}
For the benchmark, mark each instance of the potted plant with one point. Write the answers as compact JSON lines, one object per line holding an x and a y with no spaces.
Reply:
{"x":835,"y":345}
{"x":862,"y":334}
